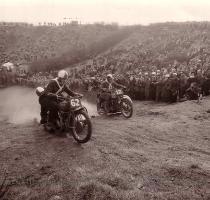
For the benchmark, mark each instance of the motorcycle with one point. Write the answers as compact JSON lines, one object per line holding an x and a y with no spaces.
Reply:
{"x":73,"y":119}
{"x":118,"y":104}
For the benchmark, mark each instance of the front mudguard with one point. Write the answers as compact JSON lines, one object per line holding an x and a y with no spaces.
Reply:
{"x":83,"y":108}
{"x":127,"y":98}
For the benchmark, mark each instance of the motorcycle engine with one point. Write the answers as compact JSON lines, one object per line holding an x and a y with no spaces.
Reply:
{"x":64,"y":106}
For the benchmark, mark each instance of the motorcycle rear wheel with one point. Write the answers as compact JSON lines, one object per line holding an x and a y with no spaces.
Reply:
{"x":81,"y":127}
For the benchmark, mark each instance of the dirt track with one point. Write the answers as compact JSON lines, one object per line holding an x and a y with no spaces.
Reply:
{"x":163,"y":152}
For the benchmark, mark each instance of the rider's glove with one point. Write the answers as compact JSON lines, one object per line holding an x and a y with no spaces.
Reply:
{"x":78,"y":95}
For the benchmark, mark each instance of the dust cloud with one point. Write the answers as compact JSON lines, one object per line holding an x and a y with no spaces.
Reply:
{"x":20,"y":105}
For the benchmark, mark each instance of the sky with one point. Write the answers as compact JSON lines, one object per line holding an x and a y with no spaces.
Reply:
{"x":124,"y":12}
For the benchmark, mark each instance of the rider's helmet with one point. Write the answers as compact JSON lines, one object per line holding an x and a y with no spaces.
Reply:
{"x":110,"y":76}
{"x":63,"y":74}
{"x":39,"y":91}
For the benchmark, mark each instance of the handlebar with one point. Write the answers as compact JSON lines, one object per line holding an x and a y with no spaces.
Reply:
{"x":79,"y":96}
{"x":62,"y":98}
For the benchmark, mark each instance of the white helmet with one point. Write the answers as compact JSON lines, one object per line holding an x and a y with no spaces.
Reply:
{"x":63,"y":74}
{"x":39,"y":91}
{"x":110,"y":76}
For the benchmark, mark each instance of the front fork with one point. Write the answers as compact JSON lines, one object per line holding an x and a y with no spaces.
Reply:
{"x":69,"y":121}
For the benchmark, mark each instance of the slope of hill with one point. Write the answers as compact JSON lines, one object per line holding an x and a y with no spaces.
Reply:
{"x":125,"y":48}
{"x":161,"y":153}
{"x":162,"y":45}
{"x":43,"y":44}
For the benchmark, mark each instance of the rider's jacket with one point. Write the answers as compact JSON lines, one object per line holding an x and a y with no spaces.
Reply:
{"x":54,"y":87}
{"x":107,"y":86}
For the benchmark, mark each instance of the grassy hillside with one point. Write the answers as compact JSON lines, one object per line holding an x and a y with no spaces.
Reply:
{"x":162,"y":45}
{"x":161,"y":153}
{"x":125,"y":48}
{"x":42,"y":46}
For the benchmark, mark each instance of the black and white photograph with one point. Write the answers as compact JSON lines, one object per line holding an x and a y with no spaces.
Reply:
{"x":104,"y":100}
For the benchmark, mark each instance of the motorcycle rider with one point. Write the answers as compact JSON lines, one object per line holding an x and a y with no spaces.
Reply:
{"x":49,"y":97}
{"x":107,"y":86}
{"x":43,"y":113}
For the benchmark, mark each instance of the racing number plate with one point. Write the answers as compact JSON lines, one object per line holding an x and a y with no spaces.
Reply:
{"x":75,"y":102}
{"x":119,"y":92}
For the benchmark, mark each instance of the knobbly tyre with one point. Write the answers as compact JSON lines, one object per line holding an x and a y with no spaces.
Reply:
{"x":73,"y":119}
{"x":118,"y":104}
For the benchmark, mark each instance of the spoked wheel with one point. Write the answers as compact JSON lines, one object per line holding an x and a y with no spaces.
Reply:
{"x":126,"y":108}
{"x":81,"y":127}
{"x":100,"y":110}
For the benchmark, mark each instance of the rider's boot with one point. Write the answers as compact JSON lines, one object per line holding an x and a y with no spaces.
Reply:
{"x":43,"y":115}
{"x":43,"y":120}
{"x":56,"y":123}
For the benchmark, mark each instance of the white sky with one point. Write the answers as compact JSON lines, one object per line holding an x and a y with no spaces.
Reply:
{"x":121,"y":11}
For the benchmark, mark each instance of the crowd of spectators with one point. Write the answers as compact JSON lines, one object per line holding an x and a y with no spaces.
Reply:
{"x":163,"y":84}
{"x":166,"y":84}
{"x":43,"y":43}
{"x":161,"y":62}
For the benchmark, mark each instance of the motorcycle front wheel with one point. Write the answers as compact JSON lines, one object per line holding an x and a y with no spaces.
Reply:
{"x":81,"y":127}
{"x":126,"y":108}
